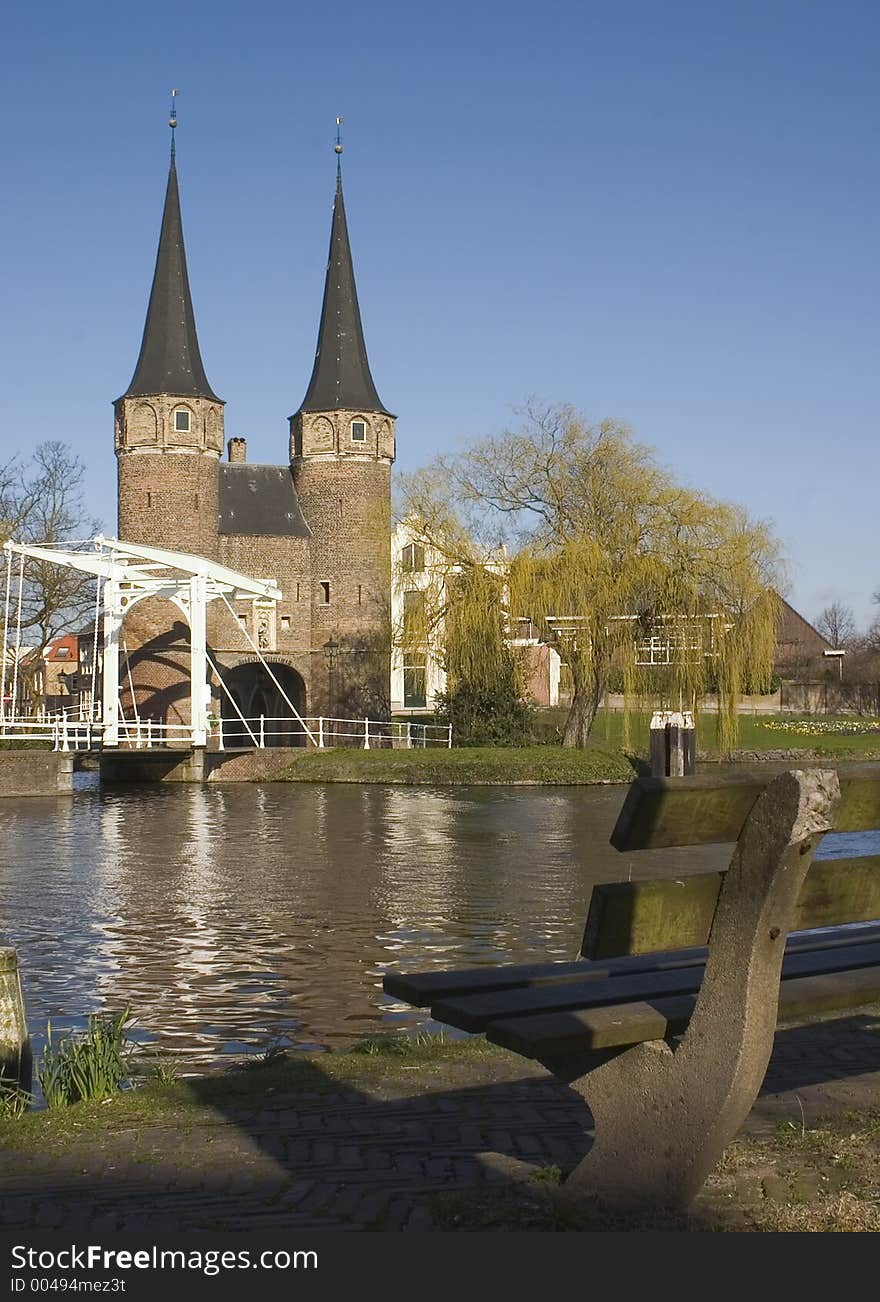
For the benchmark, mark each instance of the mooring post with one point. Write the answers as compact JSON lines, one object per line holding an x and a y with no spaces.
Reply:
{"x":15,"y":1044}
{"x":262,"y":732}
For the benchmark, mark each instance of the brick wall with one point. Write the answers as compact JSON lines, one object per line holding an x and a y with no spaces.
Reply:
{"x":347,"y":506}
{"x":169,"y":500}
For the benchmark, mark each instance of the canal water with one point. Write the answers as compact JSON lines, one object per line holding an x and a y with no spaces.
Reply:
{"x":232,"y":917}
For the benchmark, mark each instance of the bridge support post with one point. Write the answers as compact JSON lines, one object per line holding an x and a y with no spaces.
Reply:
{"x":199,"y":690}
{"x":110,"y":676}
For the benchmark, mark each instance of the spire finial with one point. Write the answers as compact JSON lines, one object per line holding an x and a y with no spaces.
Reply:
{"x":172,"y":120}
{"x":338,"y":147}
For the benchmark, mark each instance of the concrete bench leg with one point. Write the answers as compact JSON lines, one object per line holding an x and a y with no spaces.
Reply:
{"x":664,"y":1115}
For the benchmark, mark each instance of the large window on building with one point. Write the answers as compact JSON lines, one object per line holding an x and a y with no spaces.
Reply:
{"x":668,"y":645}
{"x":415,"y":653}
{"x":415,"y":696}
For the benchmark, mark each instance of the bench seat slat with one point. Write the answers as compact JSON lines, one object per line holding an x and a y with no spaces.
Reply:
{"x":475,"y":1012}
{"x":424,"y":988}
{"x":583,"y":1031}
{"x":588,"y":1030}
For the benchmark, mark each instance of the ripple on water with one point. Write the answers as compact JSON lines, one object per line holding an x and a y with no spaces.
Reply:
{"x":230,"y":917}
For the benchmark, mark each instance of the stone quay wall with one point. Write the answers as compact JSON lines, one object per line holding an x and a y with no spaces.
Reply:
{"x":35,"y":773}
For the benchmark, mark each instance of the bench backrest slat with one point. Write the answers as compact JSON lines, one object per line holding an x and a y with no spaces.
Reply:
{"x":859,"y":798}
{"x":677,"y":913}
{"x":661,"y":812}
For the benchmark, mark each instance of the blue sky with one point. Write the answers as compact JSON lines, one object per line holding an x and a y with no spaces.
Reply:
{"x":663,"y":213}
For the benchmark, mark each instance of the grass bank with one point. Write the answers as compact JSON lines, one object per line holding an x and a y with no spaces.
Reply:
{"x":468,"y":766}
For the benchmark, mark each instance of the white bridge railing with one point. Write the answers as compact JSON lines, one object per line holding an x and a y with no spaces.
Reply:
{"x":369,"y":734}
{"x":70,"y":731}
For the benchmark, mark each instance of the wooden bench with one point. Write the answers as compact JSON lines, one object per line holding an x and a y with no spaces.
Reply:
{"x":665,"y":1025}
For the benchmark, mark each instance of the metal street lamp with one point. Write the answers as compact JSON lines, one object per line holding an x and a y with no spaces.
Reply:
{"x":330,"y":648}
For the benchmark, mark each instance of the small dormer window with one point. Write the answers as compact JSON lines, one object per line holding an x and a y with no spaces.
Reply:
{"x":181,"y":421}
{"x":358,"y":431}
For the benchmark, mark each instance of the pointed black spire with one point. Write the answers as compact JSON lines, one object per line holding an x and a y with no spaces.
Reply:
{"x":341,"y":377}
{"x":170,"y":361}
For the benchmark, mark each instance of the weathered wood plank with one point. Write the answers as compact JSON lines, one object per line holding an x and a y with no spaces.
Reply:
{"x":582,"y":1031}
{"x":475,"y":1012}
{"x":661,"y":812}
{"x":677,"y":913}
{"x":837,"y":891}
{"x":700,"y":810}
{"x":424,"y":988}
{"x":644,"y":917}
{"x":579,"y":1032}
{"x":859,"y":798}
{"x":829,"y":992}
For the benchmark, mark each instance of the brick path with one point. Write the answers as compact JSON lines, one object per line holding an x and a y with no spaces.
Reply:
{"x":357,"y":1160}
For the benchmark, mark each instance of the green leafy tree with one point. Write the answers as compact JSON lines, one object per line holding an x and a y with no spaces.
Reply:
{"x":605,"y":551}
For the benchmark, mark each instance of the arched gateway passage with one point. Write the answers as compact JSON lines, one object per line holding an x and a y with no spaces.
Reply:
{"x":258,"y":697}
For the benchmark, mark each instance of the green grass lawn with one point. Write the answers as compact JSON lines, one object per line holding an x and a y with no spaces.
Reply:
{"x":465,"y":766}
{"x":757,"y":733}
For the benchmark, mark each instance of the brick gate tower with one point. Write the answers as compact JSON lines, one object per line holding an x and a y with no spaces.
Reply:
{"x":319,"y":524}
{"x":341,"y":451}
{"x":169,"y":421}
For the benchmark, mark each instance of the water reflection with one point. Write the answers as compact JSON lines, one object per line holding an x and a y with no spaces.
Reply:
{"x":229,"y":916}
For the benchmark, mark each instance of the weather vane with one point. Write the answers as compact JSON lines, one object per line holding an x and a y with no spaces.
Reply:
{"x":172,"y":118}
{"x":338,"y":145}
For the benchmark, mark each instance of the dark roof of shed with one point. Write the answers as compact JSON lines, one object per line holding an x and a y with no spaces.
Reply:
{"x":260,"y":500}
{"x":341,"y":375}
{"x":170,"y":361}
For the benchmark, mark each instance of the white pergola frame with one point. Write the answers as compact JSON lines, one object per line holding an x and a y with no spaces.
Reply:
{"x":131,"y":573}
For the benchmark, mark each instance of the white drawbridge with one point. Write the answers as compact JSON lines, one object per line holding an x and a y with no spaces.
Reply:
{"x":125,"y":574}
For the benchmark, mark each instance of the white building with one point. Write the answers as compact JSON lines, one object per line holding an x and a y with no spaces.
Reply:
{"x":419,"y":574}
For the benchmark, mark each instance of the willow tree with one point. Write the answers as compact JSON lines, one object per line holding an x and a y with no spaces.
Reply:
{"x":607,"y":551}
